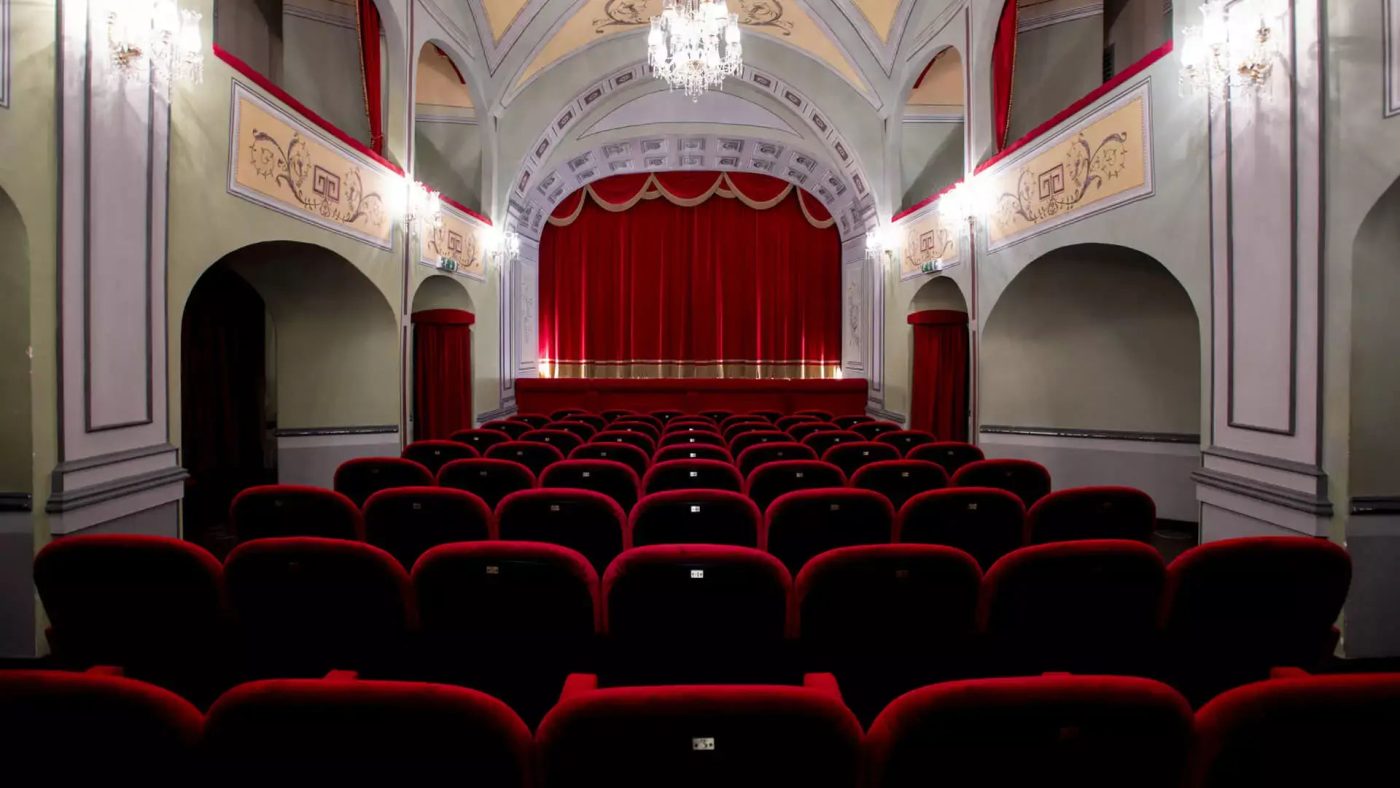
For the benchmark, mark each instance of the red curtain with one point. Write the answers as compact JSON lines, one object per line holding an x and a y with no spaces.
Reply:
{"x":714,"y":289}
{"x":1003,"y":72}
{"x":367,"y":18}
{"x":940,"y":373}
{"x":442,"y":372}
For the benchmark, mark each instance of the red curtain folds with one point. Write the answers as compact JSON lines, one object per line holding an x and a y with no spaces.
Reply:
{"x":367,"y":21}
{"x":442,"y":372}
{"x":940,"y":373}
{"x":635,"y":286}
{"x":1003,"y":72}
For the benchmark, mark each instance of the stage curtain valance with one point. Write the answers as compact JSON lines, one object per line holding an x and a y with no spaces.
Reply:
{"x":687,"y":286}
{"x":689,"y":189}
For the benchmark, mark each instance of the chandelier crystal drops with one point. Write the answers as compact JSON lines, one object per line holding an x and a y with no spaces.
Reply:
{"x":155,"y":37}
{"x":1231,"y":51}
{"x":694,"y":45}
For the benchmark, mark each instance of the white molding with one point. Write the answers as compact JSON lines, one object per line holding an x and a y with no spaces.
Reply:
{"x":1086,"y":11}
{"x":1391,"y":11}
{"x":4,"y":54}
{"x":312,"y":15}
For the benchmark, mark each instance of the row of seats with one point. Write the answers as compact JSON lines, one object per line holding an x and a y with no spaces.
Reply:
{"x":300,"y":606}
{"x":1095,"y":731}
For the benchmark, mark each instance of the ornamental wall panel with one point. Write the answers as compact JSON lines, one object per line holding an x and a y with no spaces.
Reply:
{"x":926,"y":237}
{"x":459,"y":236}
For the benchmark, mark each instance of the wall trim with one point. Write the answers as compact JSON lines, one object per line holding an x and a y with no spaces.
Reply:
{"x":1391,"y":67}
{"x":888,"y":415}
{"x":498,"y":413}
{"x":1373,"y":505}
{"x":62,"y":501}
{"x":1265,"y":461}
{"x":1059,"y":17}
{"x":1094,"y":434}
{"x":4,"y":54}
{"x":313,"y":15}
{"x":306,"y":432}
{"x":16,"y":502}
{"x":1315,"y":505}
{"x":88,"y":463}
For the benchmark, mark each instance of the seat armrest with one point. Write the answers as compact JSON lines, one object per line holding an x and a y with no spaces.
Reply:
{"x":824,"y":683}
{"x":578,"y":684}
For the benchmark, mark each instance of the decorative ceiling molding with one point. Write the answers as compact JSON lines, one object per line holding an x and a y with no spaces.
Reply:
{"x":886,"y":50}
{"x":670,"y":106}
{"x":932,"y":31}
{"x":460,"y":37}
{"x":496,"y":51}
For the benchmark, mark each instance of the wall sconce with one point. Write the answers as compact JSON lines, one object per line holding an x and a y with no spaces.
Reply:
{"x":1232,"y":50}
{"x":423,"y":203}
{"x":155,"y":37}
{"x":877,"y":241}
{"x":503,"y":245}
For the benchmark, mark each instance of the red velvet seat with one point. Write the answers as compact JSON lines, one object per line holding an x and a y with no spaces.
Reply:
{"x":1236,"y":608}
{"x":771,"y":415}
{"x":824,"y":415}
{"x":692,"y":475}
{"x":641,"y":418}
{"x":613,"y":479}
{"x":306,"y":605}
{"x":1300,"y":731}
{"x":690,"y":425}
{"x":1092,"y":513}
{"x":488,"y":478}
{"x":363,"y":733}
{"x":897,"y":480}
{"x":803,"y":429}
{"x":150,"y":604}
{"x":591,"y":419}
{"x":699,"y":737}
{"x":582,"y":520}
{"x":639,"y":439}
{"x":743,"y":418}
{"x":294,"y":510}
{"x":482,"y":439}
{"x":512,"y":428}
{"x":435,"y":454}
{"x":951,"y":455}
{"x":628,"y":455}
{"x":717,"y":416}
{"x":581,"y":430}
{"x":613,"y":414}
{"x":770,"y":480}
{"x":735,"y":430}
{"x":764,"y":453}
{"x":747,"y":440}
{"x":1027,"y":480}
{"x":887,"y":618}
{"x":872,"y":429}
{"x":694,"y":451}
{"x":564,"y":413}
{"x":695,"y":517}
{"x":802,"y":524}
{"x":1086,"y":731}
{"x":532,"y":454}
{"x":678,"y":613}
{"x":825,"y":439}
{"x":631,"y":424}
{"x":851,"y":420}
{"x":65,"y":729}
{"x":362,"y":477}
{"x":1082,"y":607}
{"x":535,"y":420}
{"x":787,"y":422}
{"x":665,"y":416}
{"x":906,"y":440}
{"x":985,"y":522}
{"x":693,"y":439}
{"x":562,"y":440}
{"x":510,"y":618}
{"x":407,"y":521}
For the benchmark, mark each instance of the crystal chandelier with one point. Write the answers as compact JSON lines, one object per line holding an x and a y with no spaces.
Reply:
{"x":1230,"y":51}
{"x":155,"y":37}
{"x":694,"y":45}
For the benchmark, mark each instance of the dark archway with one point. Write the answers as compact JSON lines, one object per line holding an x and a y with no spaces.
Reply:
{"x":940,"y":360}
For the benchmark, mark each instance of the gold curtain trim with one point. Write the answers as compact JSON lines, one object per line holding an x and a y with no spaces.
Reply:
{"x":571,"y":218}
{"x":757,"y":205}
{"x":747,"y":370}
{"x":812,"y":220}
{"x":652,"y":190}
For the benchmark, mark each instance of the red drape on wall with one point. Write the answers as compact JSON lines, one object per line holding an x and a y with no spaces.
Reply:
{"x":442,"y":373}
{"x":633,"y":285}
{"x":367,"y":19}
{"x":940,"y":373}
{"x":1003,"y":72}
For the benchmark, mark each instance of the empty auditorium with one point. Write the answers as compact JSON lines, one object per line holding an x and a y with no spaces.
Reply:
{"x":700,"y":393}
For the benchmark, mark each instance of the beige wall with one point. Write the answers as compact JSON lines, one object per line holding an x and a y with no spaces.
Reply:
{"x":16,"y":429}
{"x":442,"y":292}
{"x":1375,"y":370}
{"x":1093,"y":337}
{"x":938,"y":293}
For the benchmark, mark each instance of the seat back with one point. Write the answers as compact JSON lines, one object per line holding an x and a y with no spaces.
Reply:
{"x":771,"y":415}
{"x":435,"y":454}
{"x":743,"y":418}
{"x":693,"y":439}
{"x":786,"y":422}
{"x":853,"y":455}
{"x":625,"y":453}
{"x":407,"y":521}
{"x":582,"y":520}
{"x":362,"y":477}
{"x":803,"y":429}
{"x":535,"y":420}
{"x":805,"y":523}
{"x":690,"y":424}
{"x":951,"y":455}
{"x":613,"y":479}
{"x":824,"y":415}
{"x":489,"y":479}
{"x":563,"y":440}
{"x":1091,"y":731}
{"x":1028,"y":480}
{"x":665,"y":416}
{"x":770,"y":480}
{"x":581,"y":430}
{"x":563,"y":413}
{"x":700,"y":737}
{"x":871,"y":429}
{"x":694,"y":451}
{"x":316,"y":732}
{"x":747,"y":440}
{"x":693,"y":475}
{"x":591,"y":419}
{"x":635,"y":424}
{"x":512,"y":428}
{"x":898,"y":480}
{"x":1092,"y":513}
{"x":294,"y":510}
{"x":906,"y":440}
{"x":750,"y":424}
{"x":613,"y":414}
{"x":717,"y":416}
{"x":633,"y":438}
{"x":984,"y":522}
{"x":826,"y":439}
{"x":695,"y":517}
{"x":305,"y":605}
{"x":850,"y":420}
{"x":643,"y":418}
{"x":84,"y":729}
{"x":482,"y":439}
{"x":1290,"y":732}
{"x":533,"y":455}
{"x":1083,"y":607}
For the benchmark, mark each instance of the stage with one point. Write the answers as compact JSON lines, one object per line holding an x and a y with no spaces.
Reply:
{"x":545,"y":395}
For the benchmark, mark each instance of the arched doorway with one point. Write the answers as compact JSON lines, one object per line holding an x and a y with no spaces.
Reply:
{"x":17,"y":545}
{"x":443,"y":315}
{"x":939,"y":369}
{"x":932,"y":139}
{"x":1091,"y":364}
